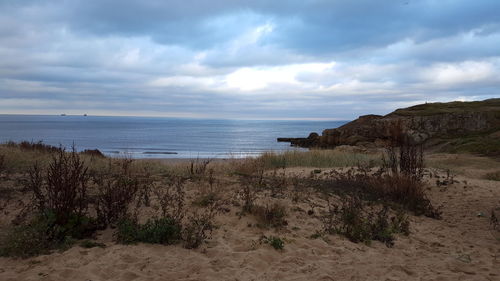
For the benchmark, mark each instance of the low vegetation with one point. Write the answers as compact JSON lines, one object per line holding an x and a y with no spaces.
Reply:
{"x":494,"y":176}
{"x":38,"y":146}
{"x":354,"y":220}
{"x":32,"y":238}
{"x":428,"y":109}
{"x":91,"y":244}
{"x":156,"y":231}
{"x":273,"y":215}
{"x":317,"y":158}
{"x":72,"y":199}
{"x":482,"y":144}
{"x":76,"y":194}
{"x":275,"y":242}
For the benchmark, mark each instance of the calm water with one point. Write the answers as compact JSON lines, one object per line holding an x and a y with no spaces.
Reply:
{"x":142,"y":137}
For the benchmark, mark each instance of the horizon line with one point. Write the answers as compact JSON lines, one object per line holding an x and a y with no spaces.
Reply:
{"x":183,"y":117}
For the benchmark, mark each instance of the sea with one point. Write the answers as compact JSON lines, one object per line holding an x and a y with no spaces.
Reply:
{"x":158,"y":137}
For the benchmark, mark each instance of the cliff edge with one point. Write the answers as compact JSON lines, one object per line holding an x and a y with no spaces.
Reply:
{"x":453,"y":126}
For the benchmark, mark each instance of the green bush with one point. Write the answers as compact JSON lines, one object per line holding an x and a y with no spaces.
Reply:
{"x":155,"y":231}
{"x":42,"y":234}
{"x":28,"y":240}
{"x":275,"y":242}
{"x":161,"y":231}
{"x":77,"y":227}
{"x":127,"y":231}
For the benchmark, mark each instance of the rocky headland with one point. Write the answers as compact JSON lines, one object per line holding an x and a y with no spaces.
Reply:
{"x":453,"y":126}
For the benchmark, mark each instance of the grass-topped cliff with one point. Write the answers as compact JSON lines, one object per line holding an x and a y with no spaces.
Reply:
{"x":452,"y":127}
{"x":436,"y":108}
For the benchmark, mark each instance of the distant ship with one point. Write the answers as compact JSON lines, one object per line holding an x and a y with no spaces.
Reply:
{"x":85,"y":114}
{"x":63,"y":114}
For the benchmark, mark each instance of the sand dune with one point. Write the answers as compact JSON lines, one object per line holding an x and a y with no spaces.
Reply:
{"x":461,"y":246}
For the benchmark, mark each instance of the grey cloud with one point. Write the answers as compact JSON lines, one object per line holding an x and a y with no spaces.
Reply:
{"x":306,"y":26}
{"x":105,"y":54}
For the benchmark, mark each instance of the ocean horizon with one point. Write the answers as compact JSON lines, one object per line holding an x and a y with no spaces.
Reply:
{"x":160,"y":137}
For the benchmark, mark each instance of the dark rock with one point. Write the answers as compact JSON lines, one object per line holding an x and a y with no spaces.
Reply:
{"x":93,"y":152}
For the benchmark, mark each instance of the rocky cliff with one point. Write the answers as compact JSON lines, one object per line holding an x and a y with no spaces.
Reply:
{"x":425,"y":123}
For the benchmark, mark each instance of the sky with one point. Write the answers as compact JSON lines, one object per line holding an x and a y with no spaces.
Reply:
{"x":307,"y":59}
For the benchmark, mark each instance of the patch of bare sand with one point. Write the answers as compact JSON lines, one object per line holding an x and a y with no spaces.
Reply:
{"x":458,"y":247}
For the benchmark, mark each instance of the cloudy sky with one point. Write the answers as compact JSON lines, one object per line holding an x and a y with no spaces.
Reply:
{"x":304,"y":59}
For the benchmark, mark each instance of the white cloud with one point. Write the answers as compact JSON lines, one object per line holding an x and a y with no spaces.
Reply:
{"x":184,"y":81}
{"x":461,"y":73}
{"x":249,"y":79}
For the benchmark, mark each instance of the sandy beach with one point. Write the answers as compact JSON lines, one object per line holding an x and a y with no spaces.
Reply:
{"x":460,"y":246}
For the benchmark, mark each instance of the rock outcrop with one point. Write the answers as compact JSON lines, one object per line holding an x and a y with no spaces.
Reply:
{"x":421,"y":122}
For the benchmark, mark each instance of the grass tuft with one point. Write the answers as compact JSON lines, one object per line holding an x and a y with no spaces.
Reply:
{"x":316,"y":158}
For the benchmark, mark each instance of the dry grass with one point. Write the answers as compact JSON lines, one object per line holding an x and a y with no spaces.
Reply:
{"x":449,"y":107}
{"x":318,"y":159}
{"x":463,"y":164}
{"x":270,"y":215}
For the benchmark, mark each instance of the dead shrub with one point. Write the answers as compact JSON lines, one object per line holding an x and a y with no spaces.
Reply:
{"x":403,"y":154}
{"x":198,"y":225}
{"x":198,"y":167}
{"x":298,"y":189}
{"x":198,"y":228}
{"x":63,"y":187}
{"x":2,"y":163}
{"x":276,"y":182}
{"x":60,"y":202}
{"x":397,"y":189}
{"x":171,"y":198}
{"x":273,"y":215}
{"x":398,"y":181}
{"x":403,"y":190}
{"x":250,"y":186}
{"x":114,"y":197}
{"x":206,"y":199}
{"x":118,"y":186}
{"x":210,"y":192}
{"x":359,"y":223}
